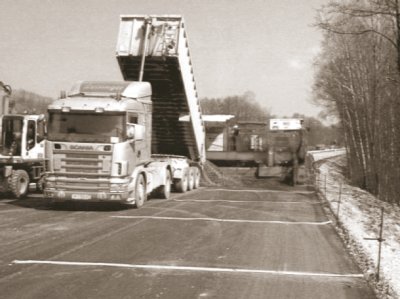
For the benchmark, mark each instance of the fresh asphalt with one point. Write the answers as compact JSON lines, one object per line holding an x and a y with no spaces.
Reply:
{"x":208,"y":243}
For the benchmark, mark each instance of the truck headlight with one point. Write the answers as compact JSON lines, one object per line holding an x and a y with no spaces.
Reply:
{"x":118,"y":187}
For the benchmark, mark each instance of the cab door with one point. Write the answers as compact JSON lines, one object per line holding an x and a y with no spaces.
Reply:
{"x":34,"y":139}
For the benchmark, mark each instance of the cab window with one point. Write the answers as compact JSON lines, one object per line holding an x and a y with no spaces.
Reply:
{"x":31,"y":135}
{"x":133,"y":118}
{"x":41,"y":131}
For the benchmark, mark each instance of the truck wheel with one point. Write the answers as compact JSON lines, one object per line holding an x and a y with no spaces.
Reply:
{"x":19,"y":183}
{"x":196,"y":178}
{"x":164,"y":191}
{"x":140,"y":192}
{"x":182,"y":184}
{"x":190,"y":179}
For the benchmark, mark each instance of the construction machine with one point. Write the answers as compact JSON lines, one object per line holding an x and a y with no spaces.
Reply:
{"x":22,"y":148}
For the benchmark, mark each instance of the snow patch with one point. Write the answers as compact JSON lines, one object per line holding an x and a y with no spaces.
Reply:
{"x":360,"y":215}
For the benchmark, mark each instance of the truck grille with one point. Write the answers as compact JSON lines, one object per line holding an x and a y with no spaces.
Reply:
{"x":82,"y":171}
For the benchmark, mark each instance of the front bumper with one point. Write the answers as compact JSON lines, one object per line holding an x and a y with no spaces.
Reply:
{"x":62,"y":189}
{"x":64,"y":195}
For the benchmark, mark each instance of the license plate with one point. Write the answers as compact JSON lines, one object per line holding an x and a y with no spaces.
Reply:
{"x":81,"y":196}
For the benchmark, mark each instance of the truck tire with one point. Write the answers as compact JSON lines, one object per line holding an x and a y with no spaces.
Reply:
{"x":196,"y":178}
{"x":164,"y":191}
{"x":181,"y":185}
{"x":191,"y":179}
{"x":19,"y":183}
{"x":140,"y":191}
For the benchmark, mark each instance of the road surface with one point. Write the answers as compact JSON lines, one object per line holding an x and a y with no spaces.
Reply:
{"x":210,"y":243}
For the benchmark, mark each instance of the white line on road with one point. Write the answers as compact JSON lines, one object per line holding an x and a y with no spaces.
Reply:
{"x":262,"y":191}
{"x":186,"y":268}
{"x":223,"y":220}
{"x":7,"y":201}
{"x":14,"y":210}
{"x":247,"y":201}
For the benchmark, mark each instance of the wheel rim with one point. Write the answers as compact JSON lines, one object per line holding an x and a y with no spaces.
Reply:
{"x":22,"y":185}
{"x":140,"y":192}
{"x":191,"y":180}
{"x":167,"y":187}
{"x":197,"y":179}
{"x":184,"y":182}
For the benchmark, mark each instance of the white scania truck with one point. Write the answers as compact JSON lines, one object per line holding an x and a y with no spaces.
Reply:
{"x":120,"y":141}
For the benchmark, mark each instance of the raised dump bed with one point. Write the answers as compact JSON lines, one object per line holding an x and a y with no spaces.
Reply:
{"x":178,"y":128}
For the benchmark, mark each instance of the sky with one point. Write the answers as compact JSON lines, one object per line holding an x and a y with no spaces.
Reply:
{"x":263,"y":46}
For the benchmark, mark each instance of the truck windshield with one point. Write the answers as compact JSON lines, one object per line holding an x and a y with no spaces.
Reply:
{"x":86,"y":127}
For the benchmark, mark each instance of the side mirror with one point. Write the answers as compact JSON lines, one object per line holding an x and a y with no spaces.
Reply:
{"x":140,"y":132}
{"x":130,"y":132}
{"x":134,"y":131}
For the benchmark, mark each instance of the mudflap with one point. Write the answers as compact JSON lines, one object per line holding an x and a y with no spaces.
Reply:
{"x":5,"y":174}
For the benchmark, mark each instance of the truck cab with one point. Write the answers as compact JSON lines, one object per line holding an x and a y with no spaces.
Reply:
{"x":99,"y":141}
{"x":22,"y":136}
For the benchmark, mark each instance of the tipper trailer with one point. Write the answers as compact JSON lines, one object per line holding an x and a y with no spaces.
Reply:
{"x":120,"y":141}
{"x":178,"y":126}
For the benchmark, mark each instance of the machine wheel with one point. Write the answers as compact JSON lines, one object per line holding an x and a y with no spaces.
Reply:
{"x":182,"y":184}
{"x":164,"y":191}
{"x":140,"y":192}
{"x":19,"y":183}
{"x":196,"y":178}
{"x":191,"y":179}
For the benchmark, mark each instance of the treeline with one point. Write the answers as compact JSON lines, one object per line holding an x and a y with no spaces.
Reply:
{"x":26,"y":102}
{"x":244,"y":107}
{"x":320,"y":135}
{"x":358,"y":79}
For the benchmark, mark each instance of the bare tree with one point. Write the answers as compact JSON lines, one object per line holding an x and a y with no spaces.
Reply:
{"x":380,"y":17}
{"x":244,"y":107}
{"x":28,"y":102}
{"x":358,"y":78}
